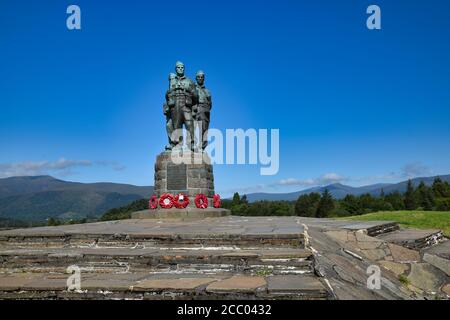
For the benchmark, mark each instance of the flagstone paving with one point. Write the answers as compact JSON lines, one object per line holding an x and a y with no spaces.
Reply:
{"x":237,"y":283}
{"x":224,"y":258}
{"x":172,"y":284}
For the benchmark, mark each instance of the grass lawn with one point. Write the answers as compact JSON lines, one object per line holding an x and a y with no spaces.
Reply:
{"x":411,"y":219}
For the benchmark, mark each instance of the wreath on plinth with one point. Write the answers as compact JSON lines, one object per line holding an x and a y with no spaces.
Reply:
{"x":216,"y":201}
{"x":166,"y":201}
{"x":181,"y":201}
{"x":201,"y":201}
{"x":153,"y":202}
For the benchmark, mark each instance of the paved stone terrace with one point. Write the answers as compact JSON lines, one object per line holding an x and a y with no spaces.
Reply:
{"x":214,"y":227}
{"x":149,"y":287}
{"x":224,"y":258}
{"x":208,"y":226}
{"x":209,"y":231}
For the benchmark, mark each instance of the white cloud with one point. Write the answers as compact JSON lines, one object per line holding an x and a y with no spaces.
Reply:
{"x":290,"y":182}
{"x":328,"y":178}
{"x":65,"y":164}
{"x":416,"y":169}
{"x":408,"y":171}
{"x":246,"y":190}
{"x":61,"y":167}
{"x":114,"y":165}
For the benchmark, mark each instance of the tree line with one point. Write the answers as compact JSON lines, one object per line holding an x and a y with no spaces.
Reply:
{"x":435,"y":197}
{"x":320,"y":205}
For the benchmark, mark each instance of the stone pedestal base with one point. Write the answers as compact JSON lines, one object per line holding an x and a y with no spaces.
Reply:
{"x":187,"y":172}
{"x":184,"y":214}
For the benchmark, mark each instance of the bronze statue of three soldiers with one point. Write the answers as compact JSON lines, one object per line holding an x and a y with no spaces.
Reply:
{"x":187,"y":104}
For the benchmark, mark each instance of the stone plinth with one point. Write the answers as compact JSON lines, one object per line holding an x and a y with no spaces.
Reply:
{"x":186,"y":172}
{"x":183,"y":172}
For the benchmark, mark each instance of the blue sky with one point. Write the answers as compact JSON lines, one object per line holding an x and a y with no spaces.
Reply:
{"x":352,"y":105}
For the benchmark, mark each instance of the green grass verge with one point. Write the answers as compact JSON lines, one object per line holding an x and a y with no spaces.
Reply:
{"x":411,"y":219}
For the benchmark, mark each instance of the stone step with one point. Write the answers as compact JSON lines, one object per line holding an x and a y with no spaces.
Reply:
{"x":413,"y":238}
{"x":144,"y":286}
{"x":439,"y":256}
{"x":372,"y":228}
{"x":247,"y":240}
{"x":441,"y":249}
{"x":227,"y":258}
{"x":159,"y":260}
{"x":225,"y":231}
{"x":127,"y":241}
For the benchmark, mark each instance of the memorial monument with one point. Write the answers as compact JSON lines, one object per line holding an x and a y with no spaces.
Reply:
{"x":184,"y":177}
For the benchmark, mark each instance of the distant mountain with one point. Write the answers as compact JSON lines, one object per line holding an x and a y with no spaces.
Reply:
{"x":339,"y":191}
{"x":401,"y":186}
{"x":40,"y":197}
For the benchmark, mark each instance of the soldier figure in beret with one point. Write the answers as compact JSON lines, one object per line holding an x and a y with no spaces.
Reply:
{"x":203,"y":108}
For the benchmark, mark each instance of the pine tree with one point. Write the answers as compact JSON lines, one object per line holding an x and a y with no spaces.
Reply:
{"x":396,"y":200}
{"x":326,"y":205}
{"x":440,"y":188}
{"x":436,"y":187}
{"x":424,"y":197}
{"x":430,"y":201}
{"x":306,"y":205}
{"x":410,"y":198}
{"x":352,"y":205}
{"x":236,"y":199}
